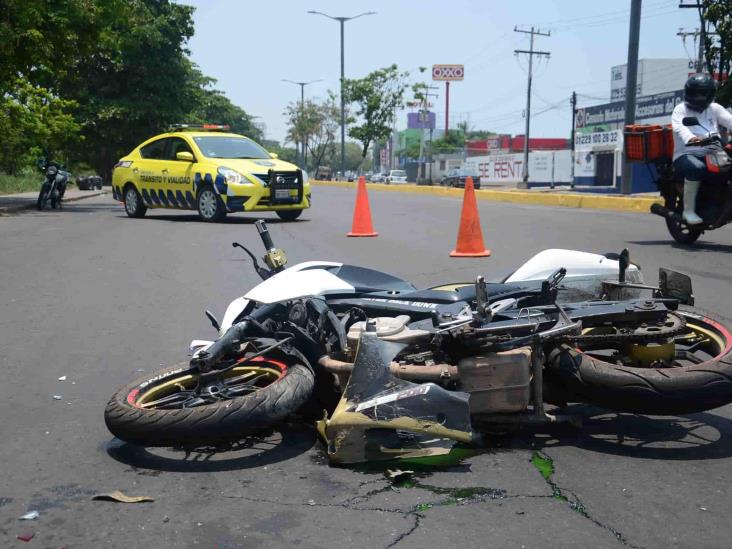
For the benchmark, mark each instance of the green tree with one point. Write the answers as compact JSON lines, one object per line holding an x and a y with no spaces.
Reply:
{"x":718,"y":13}
{"x":454,"y":141}
{"x":33,"y":122}
{"x":215,"y":108}
{"x":377,"y":96}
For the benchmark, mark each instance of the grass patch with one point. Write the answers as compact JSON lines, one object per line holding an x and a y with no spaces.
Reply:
{"x":10,"y":184}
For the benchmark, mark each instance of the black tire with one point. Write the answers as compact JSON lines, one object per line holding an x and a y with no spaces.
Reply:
{"x":134,"y":206}
{"x":225,"y":420}
{"x":289,"y":215}
{"x":42,"y":198}
{"x":210,"y":206}
{"x":680,"y":390}
{"x":681,"y":233}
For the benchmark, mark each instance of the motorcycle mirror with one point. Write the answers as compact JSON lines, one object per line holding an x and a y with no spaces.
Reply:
{"x":624,"y":262}
{"x":213,"y":320}
{"x":675,"y":285}
{"x":690,"y":121}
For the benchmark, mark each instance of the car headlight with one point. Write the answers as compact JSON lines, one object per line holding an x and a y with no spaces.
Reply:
{"x":305,"y":177}
{"x":232,"y":177}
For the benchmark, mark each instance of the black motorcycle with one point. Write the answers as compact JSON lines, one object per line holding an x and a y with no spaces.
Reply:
{"x":714,"y":201}
{"x":54,"y":185}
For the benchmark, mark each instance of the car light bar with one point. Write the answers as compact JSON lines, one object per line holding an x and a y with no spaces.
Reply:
{"x":200,"y":127}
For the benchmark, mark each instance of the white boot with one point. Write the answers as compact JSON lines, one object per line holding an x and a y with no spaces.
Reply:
{"x":689,"y":215}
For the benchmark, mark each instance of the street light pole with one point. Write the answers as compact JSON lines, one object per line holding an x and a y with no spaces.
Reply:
{"x":342,"y":21}
{"x":302,"y":112}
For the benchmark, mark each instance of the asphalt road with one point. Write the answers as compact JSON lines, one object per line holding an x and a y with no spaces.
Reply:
{"x":92,"y":295}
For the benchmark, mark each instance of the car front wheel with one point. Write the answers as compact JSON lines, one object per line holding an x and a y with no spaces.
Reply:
{"x":210,"y":206}
{"x":289,"y":215}
{"x":133,"y":202}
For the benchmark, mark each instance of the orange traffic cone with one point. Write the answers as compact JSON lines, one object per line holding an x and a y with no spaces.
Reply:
{"x":362,"y":213}
{"x":470,"y":235}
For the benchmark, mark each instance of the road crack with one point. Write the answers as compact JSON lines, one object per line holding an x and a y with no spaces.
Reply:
{"x":545,"y":465}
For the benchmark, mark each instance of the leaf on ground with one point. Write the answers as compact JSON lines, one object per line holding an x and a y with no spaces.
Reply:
{"x":121,"y":498}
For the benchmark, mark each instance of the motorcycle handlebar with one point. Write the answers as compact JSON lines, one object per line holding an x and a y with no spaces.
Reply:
{"x":264,"y":234}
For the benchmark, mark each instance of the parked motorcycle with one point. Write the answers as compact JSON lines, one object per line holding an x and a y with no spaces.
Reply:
{"x":53,"y":186}
{"x":714,"y":201}
{"x":405,"y":372}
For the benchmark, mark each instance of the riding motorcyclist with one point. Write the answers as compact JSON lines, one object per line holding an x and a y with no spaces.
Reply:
{"x":689,"y":159}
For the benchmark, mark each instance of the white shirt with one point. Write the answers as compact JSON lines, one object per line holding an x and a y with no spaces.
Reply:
{"x":711,"y":118}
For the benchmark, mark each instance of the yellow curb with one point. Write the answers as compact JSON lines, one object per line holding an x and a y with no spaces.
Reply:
{"x":594,"y":201}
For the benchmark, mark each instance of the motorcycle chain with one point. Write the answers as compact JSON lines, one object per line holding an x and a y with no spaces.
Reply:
{"x":641,"y":334}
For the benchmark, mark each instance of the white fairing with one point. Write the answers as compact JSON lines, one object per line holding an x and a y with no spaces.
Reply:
{"x":234,"y":309}
{"x":301,"y":280}
{"x":585,"y":271}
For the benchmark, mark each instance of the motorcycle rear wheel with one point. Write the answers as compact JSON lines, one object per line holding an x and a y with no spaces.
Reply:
{"x":160,"y":409}
{"x":698,"y":378}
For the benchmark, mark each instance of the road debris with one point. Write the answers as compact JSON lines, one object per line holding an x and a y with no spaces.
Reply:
{"x":26,"y":535}
{"x":121,"y":498}
{"x":30,"y":515}
{"x":397,"y":475}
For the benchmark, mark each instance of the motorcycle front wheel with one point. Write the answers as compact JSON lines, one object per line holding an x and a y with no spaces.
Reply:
{"x":42,"y":198}
{"x":691,"y":371}
{"x":168,"y":408}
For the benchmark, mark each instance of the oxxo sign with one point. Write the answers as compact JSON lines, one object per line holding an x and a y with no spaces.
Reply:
{"x":448,"y":72}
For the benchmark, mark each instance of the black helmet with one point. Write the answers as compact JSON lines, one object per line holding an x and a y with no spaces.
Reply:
{"x":699,"y":91}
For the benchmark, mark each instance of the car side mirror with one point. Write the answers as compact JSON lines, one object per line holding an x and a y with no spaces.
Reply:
{"x":690,"y":121}
{"x":675,"y":285}
{"x":274,"y":155}
{"x":185,"y":156}
{"x":41,"y":163}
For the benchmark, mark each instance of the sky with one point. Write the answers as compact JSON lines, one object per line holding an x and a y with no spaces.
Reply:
{"x":250,"y":47}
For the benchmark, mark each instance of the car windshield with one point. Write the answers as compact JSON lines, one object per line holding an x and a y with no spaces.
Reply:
{"x":221,"y":146}
{"x":398,"y":173}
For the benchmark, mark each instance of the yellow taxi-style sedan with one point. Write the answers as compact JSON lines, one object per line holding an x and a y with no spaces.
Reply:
{"x":205,"y":168}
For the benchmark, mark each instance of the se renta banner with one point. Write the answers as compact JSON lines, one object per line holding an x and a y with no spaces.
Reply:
{"x":448,"y":72}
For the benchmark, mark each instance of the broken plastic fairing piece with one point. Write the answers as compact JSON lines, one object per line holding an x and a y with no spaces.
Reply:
{"x":380,"y":417}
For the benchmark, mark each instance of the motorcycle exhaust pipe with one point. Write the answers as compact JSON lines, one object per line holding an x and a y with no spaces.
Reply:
{"x":437,"y":373}
{"x":662,"y":211}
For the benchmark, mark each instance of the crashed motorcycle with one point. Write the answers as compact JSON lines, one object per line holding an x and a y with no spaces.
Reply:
{"x":53,"y":186}
{"x":714,"y":201}
{"x":402,"y":372}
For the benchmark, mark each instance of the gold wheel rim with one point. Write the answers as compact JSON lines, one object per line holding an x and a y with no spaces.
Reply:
{"x":187,"y":382}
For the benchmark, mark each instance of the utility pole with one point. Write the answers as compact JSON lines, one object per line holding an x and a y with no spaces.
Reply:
{"x":302,"y":153}
{"x":573,"y":102}
{"x":631,"y":79}
{"x":531,"y":52}
{"x":342,"y":21}
{"x":702,"y":35}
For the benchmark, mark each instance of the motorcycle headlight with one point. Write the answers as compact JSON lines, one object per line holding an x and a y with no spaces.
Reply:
{"x":232,"y":177}
{"x":305,"y":177}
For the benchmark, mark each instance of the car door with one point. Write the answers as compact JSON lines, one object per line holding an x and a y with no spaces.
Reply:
{"x":148,"y":172}
{"x":178,"y":174}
